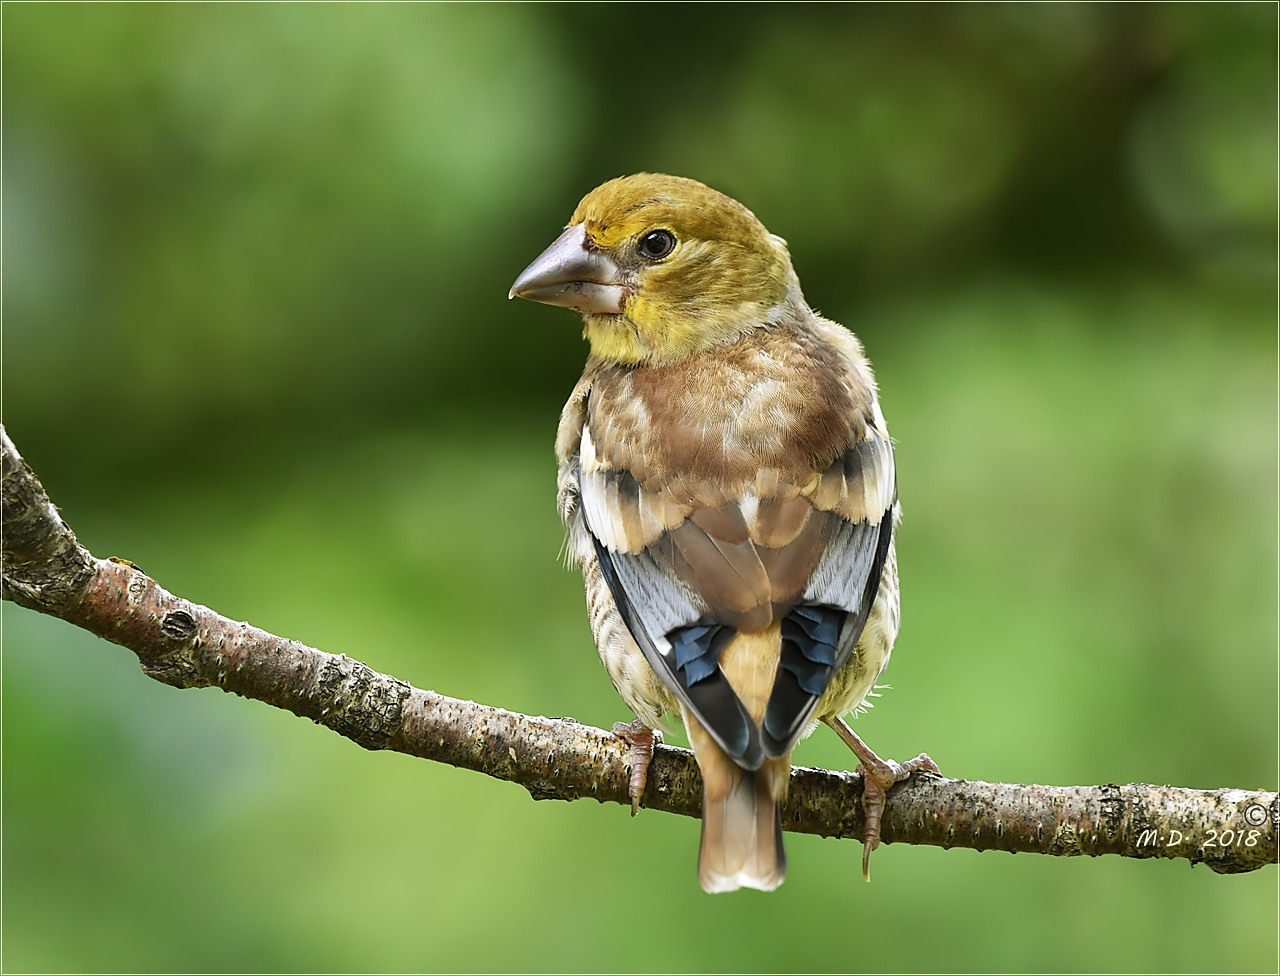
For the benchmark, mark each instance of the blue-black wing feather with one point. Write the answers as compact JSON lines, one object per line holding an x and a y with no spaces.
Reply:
{"x":817,"y":640}
{"x":690,"y":668}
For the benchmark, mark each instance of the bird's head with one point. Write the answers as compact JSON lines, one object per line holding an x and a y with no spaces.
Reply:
{"x":662,"y":267}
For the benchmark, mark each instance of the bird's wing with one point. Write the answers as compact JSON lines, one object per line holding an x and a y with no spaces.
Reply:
{"x":688,"y":569}
{"x":640,"y":538}
{"x":820,"y":634}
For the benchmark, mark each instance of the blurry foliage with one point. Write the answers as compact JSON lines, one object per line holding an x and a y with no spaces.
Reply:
{"x":223,"y":211}
{"x":256,"y":338}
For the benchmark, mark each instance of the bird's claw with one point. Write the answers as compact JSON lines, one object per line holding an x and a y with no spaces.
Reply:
{"x":878,"y":775}
{"x":641,"y":739}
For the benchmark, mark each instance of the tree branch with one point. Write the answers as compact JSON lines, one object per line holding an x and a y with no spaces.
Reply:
{"x":190,"y":646}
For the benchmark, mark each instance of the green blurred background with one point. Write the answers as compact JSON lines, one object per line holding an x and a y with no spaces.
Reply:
{"x":257,"y":340}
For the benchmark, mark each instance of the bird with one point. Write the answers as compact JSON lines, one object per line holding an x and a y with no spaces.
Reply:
{"x":727,"y":482}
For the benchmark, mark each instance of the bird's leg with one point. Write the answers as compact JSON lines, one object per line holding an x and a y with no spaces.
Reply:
{"x":877,"y":776}
{"x":641,"y":739}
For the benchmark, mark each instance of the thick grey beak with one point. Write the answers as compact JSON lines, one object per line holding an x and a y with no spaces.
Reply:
{"x":571,"y":275}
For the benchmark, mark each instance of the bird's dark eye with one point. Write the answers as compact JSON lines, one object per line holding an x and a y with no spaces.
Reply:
{"x":657,"y":244}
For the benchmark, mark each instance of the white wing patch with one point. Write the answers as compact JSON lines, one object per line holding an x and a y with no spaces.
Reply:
{"x":622,"y":514}
{"x":877,"y":490}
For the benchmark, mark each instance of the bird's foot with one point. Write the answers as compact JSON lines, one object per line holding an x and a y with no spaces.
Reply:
{"x":877,"y":776}
{"x":641,"y":739}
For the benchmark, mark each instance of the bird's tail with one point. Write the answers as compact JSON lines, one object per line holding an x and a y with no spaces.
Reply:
{"x":741,"y":823}
{"x":742,"y":835}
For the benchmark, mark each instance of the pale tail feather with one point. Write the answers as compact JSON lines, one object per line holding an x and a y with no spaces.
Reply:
{"x":741,"y":823}
{"x":742,"y":833}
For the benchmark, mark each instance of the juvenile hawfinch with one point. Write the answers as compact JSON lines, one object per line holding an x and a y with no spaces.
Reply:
{"x":727,"y":481}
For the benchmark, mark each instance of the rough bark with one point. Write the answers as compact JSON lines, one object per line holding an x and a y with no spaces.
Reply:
{"x":190,"y":646}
